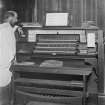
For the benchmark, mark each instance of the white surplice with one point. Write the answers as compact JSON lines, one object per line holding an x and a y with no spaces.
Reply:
{"x":7,"y":52}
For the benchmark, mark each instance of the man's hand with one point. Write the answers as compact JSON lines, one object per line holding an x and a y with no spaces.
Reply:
{"x":19,"y":29}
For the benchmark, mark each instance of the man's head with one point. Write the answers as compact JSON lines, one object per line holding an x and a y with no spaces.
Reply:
{"x":11,"y":17}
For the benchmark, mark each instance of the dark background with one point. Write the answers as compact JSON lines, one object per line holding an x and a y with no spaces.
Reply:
{"x":81,"y":10}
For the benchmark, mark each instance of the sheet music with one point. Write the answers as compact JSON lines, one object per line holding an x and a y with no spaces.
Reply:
{"x":91,"y":40}
{"x":56,"y":19}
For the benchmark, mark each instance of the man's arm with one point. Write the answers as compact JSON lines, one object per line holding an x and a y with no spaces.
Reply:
{"x":18,"y":28}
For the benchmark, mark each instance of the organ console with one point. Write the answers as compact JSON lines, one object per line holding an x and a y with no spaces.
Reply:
{"x":58,"y":65}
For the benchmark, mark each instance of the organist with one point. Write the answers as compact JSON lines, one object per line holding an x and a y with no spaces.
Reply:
{"x":7,"y":53}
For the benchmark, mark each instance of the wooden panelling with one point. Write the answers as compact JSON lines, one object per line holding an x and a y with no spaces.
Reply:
{"x":40,"y":11}
{"x":91,"y":9}
{"x":81,"y":10}
{"x":69,"y":5}
{"x":101,"y":15}
{"x":76,"y":13}
{"x":35,"y":11}
{"x":54,"y":5}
